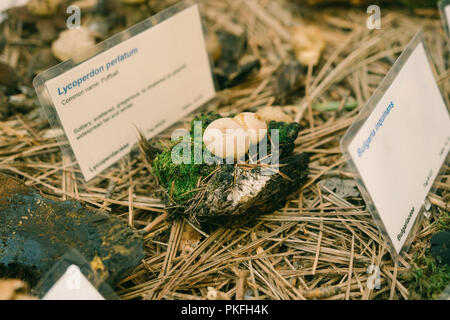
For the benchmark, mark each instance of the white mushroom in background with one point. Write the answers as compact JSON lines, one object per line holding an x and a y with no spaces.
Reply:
{"x":226,"y":139}
{"x":43,"y":8}
{"x":308,"y":44}
{"x":73,"y":42}
{"x":254,"y":126}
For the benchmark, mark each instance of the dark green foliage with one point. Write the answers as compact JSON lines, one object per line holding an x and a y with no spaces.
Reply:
{"x":206,"y":119}
{"x":180,"y":180}
{"x":443,"y":222}
{"x":288,"y":133}
{"x":427,"y":278}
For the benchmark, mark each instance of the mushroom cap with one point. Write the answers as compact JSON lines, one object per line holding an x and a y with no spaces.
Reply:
{"x":43,"y":8}
{"x":254,"y":126}
{"x":226,"y":139}
{"x":73,"y":42}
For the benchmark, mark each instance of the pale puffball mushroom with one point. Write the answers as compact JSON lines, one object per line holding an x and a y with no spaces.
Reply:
{"x":43,"y":8}
{"x":308,"y":44}
{"x":254,"y":125}
{"x":73,"y":42}
{"x":226,"y":139}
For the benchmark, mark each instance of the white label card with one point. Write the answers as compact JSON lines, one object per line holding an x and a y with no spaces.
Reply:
{"x":73,"y":285}
{"x":399,"y":149}
{"x":147,"y":82}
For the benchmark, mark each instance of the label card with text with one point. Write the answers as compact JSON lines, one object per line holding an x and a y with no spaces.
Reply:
{"x":146,"y":82}
{"x":73,"y":285}
{"x":398,"y":144}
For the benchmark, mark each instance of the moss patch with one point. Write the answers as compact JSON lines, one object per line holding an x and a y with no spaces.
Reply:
{"x":287,"y":134}
{"x":183,"y":177}
{"x":206,"y":119}
{"x":427,"y":278}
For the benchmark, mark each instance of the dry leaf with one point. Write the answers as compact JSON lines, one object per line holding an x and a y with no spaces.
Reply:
{"x":13,"y":290}
{"x":189,"y":239}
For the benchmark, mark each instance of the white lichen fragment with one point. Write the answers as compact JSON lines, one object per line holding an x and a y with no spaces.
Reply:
{"x":249,"y":187}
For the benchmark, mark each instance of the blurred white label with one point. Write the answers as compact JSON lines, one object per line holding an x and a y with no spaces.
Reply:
{"x":73,"y":285}
{"x":402,"y":145}
{"x":6,"y":4}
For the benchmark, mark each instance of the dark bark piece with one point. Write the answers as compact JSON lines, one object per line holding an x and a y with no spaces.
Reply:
{"x":36,"y":232}
{"x":8,"y":76}
{"x":288,"y":79}
{"x":233,"y":67}
{"x":239,"y":196}
{"x":440,"y":247}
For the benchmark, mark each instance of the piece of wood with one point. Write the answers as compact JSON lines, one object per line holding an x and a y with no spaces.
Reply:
{"x":36,"y":232}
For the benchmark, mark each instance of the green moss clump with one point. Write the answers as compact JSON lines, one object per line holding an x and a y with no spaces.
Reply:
{"x":427,"y":279}
{"x":181,"y":180}
{"x":287,"y":134}
{"x":183,"y":177}
{"x":205,"y":119}
{"x":443,"y":221}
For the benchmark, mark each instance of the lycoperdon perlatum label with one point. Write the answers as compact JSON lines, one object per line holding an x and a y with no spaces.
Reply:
{"x":146,"y":82}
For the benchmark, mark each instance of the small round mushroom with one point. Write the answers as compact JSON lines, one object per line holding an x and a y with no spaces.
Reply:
{"x":43,"y":8}
{"x":254,"y":126}
{"x":73,"y":42}
{"x":226,"y":139}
